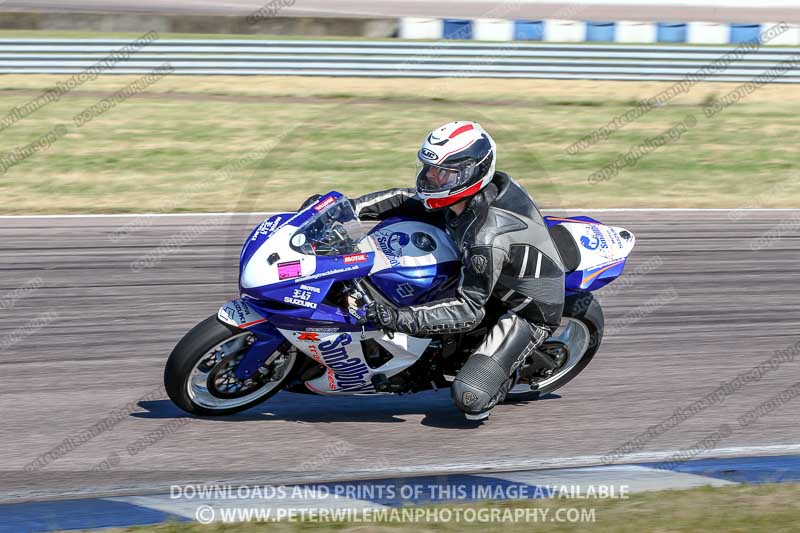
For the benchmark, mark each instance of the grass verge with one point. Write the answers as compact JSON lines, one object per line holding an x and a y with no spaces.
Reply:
{"x":265,"y":143}
{"x":745,"y":508}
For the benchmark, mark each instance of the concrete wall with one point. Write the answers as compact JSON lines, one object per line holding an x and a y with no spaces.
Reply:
{"x":142,"y":23}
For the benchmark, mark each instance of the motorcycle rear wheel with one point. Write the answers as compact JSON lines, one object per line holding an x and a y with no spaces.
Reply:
{"x":577,"y":340}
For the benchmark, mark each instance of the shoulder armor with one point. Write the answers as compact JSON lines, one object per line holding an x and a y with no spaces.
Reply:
{"x":506,"y":221}
{"x":498,"y":222}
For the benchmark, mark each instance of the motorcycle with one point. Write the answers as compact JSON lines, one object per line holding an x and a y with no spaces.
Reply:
{"x":306,"y":279}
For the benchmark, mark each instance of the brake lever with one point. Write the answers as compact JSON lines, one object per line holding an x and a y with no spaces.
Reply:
{"x":363,"y":322}
{"x":367,"y":298}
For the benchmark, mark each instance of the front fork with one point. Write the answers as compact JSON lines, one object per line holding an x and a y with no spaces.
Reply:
{"x":268,"y":339}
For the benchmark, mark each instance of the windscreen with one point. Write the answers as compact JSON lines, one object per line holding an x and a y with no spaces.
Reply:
{"x":333,"y":230}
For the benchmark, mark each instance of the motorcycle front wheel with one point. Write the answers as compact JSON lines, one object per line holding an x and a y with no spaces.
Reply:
{"x":200,"y":373}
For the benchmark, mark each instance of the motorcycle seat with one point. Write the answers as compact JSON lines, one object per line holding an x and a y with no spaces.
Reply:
{"x":566,"y":246}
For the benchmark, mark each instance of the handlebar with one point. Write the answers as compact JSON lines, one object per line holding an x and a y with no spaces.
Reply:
{"x":366,"y":296}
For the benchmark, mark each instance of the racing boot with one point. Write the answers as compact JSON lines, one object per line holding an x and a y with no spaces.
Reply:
{"x":492,"y":369}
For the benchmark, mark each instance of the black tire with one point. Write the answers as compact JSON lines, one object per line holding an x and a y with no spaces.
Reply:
{"x":587,"y":310}
{"x":186,"y":354}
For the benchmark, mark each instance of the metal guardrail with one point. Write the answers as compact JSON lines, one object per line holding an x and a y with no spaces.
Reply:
{"x":401,"y":59}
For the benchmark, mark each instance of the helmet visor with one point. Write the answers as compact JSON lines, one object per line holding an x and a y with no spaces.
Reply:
{"x":436,"y":178}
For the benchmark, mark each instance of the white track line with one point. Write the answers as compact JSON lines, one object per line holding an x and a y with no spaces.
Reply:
{"x":587,"y":460}
{"x":636,"y":478}
{"x":134,"y":215}
{"x":671,"y":209}
{"x":577,"y":210}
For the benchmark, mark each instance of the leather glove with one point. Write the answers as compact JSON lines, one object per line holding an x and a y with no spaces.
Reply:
{"x":389,"y":318}
{"x":310,"y":200}
{"x":383,"y":316}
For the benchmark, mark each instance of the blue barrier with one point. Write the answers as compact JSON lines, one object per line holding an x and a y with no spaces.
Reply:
{"x":457,"y":29}
{"x":745,"y":33}
{"x":594,"y":31}
{"x":671,"y":32}
{"x":528,"y":30}
{"x":600,"y":31}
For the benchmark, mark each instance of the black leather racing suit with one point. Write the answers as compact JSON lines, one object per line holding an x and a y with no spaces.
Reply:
{"x":509,"y":257}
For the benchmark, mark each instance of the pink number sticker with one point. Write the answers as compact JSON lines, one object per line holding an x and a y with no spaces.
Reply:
{"x":289,"y":270}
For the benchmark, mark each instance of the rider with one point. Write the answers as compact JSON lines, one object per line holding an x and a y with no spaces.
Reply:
{"x":509,"y":261}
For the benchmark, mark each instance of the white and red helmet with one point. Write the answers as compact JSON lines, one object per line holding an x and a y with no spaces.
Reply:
{"x":455,"y":162}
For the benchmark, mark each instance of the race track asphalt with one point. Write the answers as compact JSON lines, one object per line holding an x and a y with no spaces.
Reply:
{"x":85,"y":332}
